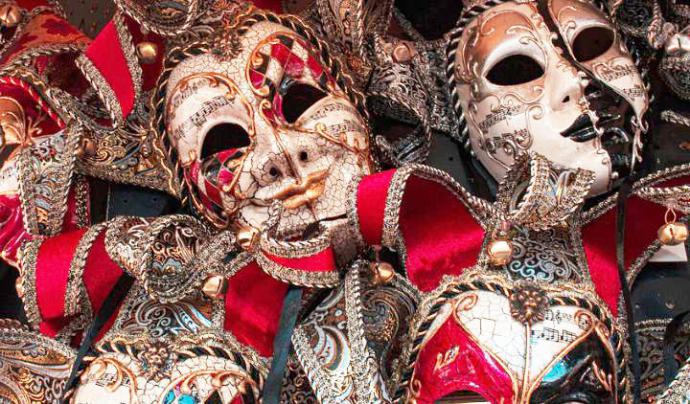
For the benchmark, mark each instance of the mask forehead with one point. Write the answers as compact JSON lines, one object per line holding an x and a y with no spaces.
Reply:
{"x":572,"y":15}
{"x":504,"y":30}
{"x":198,"y":102}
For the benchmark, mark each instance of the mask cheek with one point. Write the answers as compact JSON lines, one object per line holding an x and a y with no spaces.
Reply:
{"x":498,"y":135}
{"x":623,"y":77}
{"x":197,"y":184}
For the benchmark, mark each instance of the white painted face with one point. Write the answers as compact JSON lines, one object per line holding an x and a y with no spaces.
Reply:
{"x":520,"y":93}
{"x":268,"y":124}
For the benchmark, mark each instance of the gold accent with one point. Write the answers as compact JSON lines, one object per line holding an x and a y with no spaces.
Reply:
{"x":87,"y":148}
{"x":247,"y":237}
{"x":215,"y":286}
{"x":445,"y":359}
{"x":381,"y":273}
{"x":306,"y":191}
{"x":403,"y":53}
{"x":147,"y":52}
{"x":10,"y":15}
{"x":500,"y":252}
{"x":673,"y":233}
{"x":98,"y":368}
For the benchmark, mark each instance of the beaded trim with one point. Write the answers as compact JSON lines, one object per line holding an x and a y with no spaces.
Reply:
{"x":102,"y":87}
{"x":130,"y":52}
{"x":76,"y":297}
{"x":297,"y":277}
{"x":27,"y":280}
{"x":145,"y":16}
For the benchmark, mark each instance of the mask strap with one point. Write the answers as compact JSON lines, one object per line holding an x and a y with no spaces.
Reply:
{"x":282,"y":343}
{"x":112,"y":302}
{"x":623,"y":194}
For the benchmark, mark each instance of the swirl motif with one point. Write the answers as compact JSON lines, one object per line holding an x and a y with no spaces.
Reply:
{"x":543,"y":256}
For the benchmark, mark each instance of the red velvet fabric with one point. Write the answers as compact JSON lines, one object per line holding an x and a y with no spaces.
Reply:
{"x":270,"y":5}
{"x":323,"y":261}
{"x":473,"y":369}
{"x":440,"y":234}
{"x":253,"y":303}
{"x":150,"y":71}
{"x":12,"y":232}
{"x":371,"y":204}
{"x":105,"y":52}
{"x":52,"y":271}
{"x":31,"y":4}
{"x":100,"y":273}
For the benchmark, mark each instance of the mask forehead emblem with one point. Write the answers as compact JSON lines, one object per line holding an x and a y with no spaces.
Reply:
{"x":270,"y":123}
{"x":517,"y":91}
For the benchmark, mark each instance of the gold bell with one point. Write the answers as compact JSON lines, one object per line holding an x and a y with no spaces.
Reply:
{"x":10,"y":15}
{"x":247,"y":237}
{"x":147,"y":52}
{"x":215,"y":286}
{"x":500,"y":252}
{"x":381,"y":273}
{"x":87,"y":148}
{"x":19,"y":286}
{"x":500,"y":249}
{"x":673,"y":233}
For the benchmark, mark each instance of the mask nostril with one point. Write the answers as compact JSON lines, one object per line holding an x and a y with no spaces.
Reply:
{"x":274,"y":172}
{"x":566,"y":99}
{"x":303,"y":156}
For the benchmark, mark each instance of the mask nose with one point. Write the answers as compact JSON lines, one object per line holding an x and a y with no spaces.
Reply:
{"x":568,"y":90}
{"x":309,"y":172}
{"x":302,"y":155}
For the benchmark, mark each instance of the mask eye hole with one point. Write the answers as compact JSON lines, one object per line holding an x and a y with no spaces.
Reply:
{"x":515,"y":69}
{"x":298,"y":98}
{"x":591,"y":43}
{"x":224,"y":136}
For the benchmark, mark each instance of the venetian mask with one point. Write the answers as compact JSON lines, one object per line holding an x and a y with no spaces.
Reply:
{"x":268,"y":123}
{"x":517,"y":344}
{"x":556,"y":80}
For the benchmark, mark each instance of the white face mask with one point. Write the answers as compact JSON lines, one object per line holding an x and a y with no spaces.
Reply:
{"x":519,"y":93}
{"x":269,"y":123}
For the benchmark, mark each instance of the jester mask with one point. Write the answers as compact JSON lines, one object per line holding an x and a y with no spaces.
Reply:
{"x":266,"y":119}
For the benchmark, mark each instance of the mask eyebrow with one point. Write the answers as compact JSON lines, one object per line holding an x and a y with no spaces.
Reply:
{"x":207,"y":109}
{"x":198,"y":119}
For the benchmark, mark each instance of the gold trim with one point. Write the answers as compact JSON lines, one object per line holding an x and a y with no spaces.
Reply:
{"x":102,"y":87}
{"x":77,"y":299}
{"x":26,"y":283}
